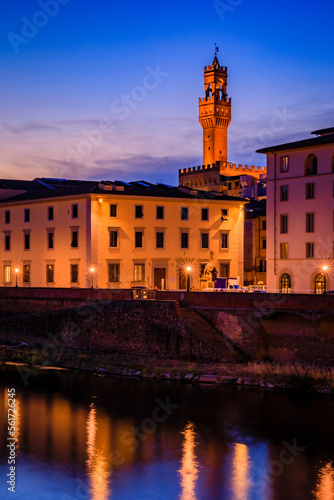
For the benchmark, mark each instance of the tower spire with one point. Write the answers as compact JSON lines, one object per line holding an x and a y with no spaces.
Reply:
{"x":215,"y":112}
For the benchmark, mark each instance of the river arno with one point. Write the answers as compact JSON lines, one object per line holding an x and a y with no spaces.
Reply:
{"x":86,"y":437}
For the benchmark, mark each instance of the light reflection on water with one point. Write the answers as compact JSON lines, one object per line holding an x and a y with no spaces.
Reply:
{"x":189,"y":467}
{"x":241,"y":482}
{"x":325,"y":484}
{"x":112,"y":449}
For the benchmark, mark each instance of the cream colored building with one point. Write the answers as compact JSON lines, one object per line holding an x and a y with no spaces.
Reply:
{"x":300,"y":214}
{"x":60,"y":233}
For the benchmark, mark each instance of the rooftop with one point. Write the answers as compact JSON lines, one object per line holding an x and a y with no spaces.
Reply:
{"x":326,"y":137}
{"x":42,"y":188}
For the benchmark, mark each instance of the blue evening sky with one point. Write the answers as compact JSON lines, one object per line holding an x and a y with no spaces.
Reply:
{"x":109,"y":90}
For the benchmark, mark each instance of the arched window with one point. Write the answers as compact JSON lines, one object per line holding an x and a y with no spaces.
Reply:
{"x":285,"y":283}
{"x":332,"y":164}
{"x":311,"y":165}
{"x":320,"y":283}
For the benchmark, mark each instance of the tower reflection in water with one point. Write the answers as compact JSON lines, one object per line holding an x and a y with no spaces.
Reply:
{"x":189,"y":465}
{"x":325,"y":484}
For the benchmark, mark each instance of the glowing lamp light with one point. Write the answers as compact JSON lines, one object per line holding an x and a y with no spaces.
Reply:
{"x":188,"y":269}
{"x":16,"y":273}
{"x":324,"y":268}
{"x":92,"y":269}
{"x":100,"y":201}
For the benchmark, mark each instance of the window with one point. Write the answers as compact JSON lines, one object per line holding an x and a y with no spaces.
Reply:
{"x":160,"y":212}
{"x":139,"y":272}
{"x":284,"y":190}
{"x":74,"y":211}
{"x":311,"y":165}
{"x":262,"y":266}
{"x":184,"y":213}
{"x":205,"y":214}
{"x":7,"y":242}
{"x":310,"y":191}
{"x":74,"y":270}
{"x":50,"y":240}
{"x":27,"y":241}
{"x":204,"y":240}
{"x":284,"y":250}
{"x":310,"y":223}
{"x":75,"y":238}
{"x":284,"y":162}
{"x":224,"y":240}
{"x":113,"y":238}
{"x":285,"y":283}
{"x":113,"y":273}
{"x":309,"y":250}
{"x":264,"y":244}
{"x":7,"y":216}
{"x":224,"y":214}
{"x":49,"y":273}
{"x":264,"y":225}
{"x":159,"y":239}
{"x":139,"y":239}
{"x":6,"y":273}
{"x":27,"y":215}
{"x":284,"y":224}
{"x":184,"y":240}
{"x":139,"y":212}
{"x":50,"y":213}
{"x":320,"y":283}
{"x":26,"y":273}
{"x":113,"y":210}
{"x":224,"y":269}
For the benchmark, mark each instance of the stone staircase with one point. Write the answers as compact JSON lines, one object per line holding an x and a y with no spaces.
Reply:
{"x":198,"y":326}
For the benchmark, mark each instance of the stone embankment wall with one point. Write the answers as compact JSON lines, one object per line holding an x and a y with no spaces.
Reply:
{"x":138,"y":328}
{"x":280,"y":327}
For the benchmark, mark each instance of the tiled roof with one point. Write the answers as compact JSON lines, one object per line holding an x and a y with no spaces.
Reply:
{"x":54,"y":188}
{"x":314,"y":141}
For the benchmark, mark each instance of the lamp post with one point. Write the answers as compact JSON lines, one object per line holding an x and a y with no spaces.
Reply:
{"x":325,"y":269}
{"x":16,"y":273}
{"x":92,"y":271}
{"x":188,"y":269}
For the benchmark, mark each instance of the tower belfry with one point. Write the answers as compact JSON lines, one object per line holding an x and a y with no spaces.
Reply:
{"x":215,"y":112}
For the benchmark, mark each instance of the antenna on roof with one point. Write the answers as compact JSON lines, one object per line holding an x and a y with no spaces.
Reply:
{"x":216,"y":49}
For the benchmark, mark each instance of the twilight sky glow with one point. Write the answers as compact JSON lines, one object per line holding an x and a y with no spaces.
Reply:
{"x":104,"y":90}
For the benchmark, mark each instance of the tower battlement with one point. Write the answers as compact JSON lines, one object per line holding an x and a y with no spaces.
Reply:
{"x":225,"y":168}
{"x":213,"y":67}
{"x":215,"y":99}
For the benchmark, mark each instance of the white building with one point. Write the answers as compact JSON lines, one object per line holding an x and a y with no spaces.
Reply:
{"x":61,"y":233}
{"x":300,"y":214}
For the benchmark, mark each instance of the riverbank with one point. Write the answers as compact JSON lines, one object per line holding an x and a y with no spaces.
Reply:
{"x":268,"y":375}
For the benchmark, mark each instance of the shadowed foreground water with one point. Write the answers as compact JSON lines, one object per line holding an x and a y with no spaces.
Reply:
{"x":83,"y":437}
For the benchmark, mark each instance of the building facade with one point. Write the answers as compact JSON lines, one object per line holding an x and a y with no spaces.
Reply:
{"x":60,"y":233}
{"x":300,"y":214}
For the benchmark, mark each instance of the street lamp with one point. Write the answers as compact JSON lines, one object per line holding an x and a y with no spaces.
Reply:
{"x":325,"y":269}
{"x":16,"y":273}
{"x":92,"y":271}
{"x":188,"y":269}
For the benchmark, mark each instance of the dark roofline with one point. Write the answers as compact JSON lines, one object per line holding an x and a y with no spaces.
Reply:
{"x":314,"y":141}
{"x":324,"y":131}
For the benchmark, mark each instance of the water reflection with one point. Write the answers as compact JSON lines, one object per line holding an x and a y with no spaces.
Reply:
{"x":325,"y":484}
{"x":189,"y":467}
{"x":97,"y":464}
{"x":241,"y":472}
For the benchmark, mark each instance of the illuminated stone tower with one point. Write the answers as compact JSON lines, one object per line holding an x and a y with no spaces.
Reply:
{"x":215,"y":112}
